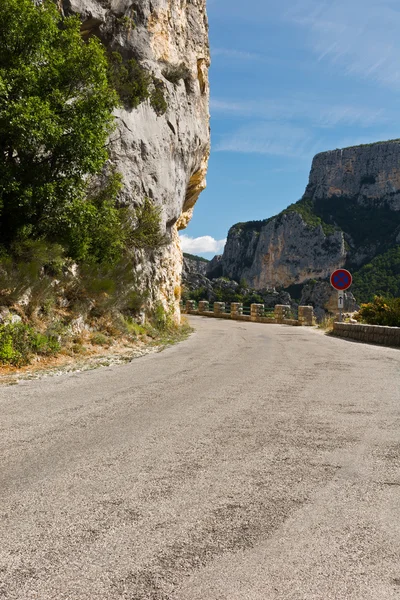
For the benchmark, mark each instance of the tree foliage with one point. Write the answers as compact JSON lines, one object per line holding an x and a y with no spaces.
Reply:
{"x":56,"y":107}
{"x":379,"y":277}
{"x":305,"y":208}
{"x":381,"y":311}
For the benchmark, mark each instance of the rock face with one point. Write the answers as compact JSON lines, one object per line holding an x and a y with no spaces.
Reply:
{"x":322,"y":296}
{"x":162,"y":157}
{"x":369,"y":174}
{"x":285,"y":250}
{"x":350,"y":212}
{"x":358,"y":189}
{"x":222,"y":289}
{"x":191,"y":265}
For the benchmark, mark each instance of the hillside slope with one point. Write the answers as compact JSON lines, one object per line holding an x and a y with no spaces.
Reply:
{"x":348,"y":217}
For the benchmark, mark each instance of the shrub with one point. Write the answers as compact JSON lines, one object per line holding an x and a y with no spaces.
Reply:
{"x":162,"y":319}
{"x":146,"y":233}
{"x":157,"y":98}
{"x":79,"y":348}
{"x":102,"y":289}
{"x":134,"y":84}
{"x":99,"y":339}
{"x":129,"y":326}
{"x":91,"y":226}
{"x":382,"y":311}
{"x":18,"y":342}
{"x":174,"y":73}
{"x":129,"y":79}
{"x":126,"y":22}
{"x":29,"y":273}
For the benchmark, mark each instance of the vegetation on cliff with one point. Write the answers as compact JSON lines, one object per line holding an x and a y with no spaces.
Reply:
{"x":66,"y":241}
{"x":365,"y":223}
{"x":305,"y":208}
{"x":369,"y":227}
{"x":379,"y":277}
{"x":195,"y":257}
{"x":134,"y":84}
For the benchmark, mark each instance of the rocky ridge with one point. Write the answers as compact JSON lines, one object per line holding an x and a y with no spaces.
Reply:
{"x":161,"y":157}
{"x":349,"y":214}
{"x":193,"y":264}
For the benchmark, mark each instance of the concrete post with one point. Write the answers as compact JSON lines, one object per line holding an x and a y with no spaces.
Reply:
{"x":282,"y":311}
{"x":236,"y":309}
{"x":219,"y":307}
{"x":190,"y":305}
{"x":306,"y":315}
{"x":256,"y":311}
{"x":204,"y":306}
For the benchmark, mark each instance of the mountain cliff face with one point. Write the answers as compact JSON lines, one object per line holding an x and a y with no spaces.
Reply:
{"x":349,"y":214}
{"x":161,"y":156}
{"x":194,"y":264}
{"x":281,"y":251}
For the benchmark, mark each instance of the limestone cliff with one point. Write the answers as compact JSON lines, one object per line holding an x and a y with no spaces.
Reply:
{"x":194,"y":264}
{"x":349,"y":214}
{"x":358,"y":189}
{"x":162,"y":157}
{"x":282,"y":251}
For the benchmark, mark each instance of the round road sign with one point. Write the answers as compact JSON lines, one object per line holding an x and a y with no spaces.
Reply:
{"x":341,"y":279}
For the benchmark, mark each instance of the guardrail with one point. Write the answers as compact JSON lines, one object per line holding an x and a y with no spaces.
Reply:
{"x":371,"y":334}
{"x":257,"y":313}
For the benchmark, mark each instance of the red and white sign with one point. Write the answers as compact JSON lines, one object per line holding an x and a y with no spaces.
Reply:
{"x":341,"y":279}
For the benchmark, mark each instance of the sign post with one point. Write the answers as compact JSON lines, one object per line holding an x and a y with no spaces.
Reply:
{"x":341,"y":280}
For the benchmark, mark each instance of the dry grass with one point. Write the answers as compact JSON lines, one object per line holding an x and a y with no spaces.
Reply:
{"x":121,"y":349}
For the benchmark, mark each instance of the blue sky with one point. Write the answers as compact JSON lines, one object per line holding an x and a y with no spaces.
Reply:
{"x":288,"y":79}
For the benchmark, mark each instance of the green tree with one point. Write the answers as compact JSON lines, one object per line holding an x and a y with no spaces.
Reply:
{"x":56,"y":107}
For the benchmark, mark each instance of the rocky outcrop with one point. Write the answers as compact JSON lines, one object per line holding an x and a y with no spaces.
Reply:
{"x":358,"y":190}
{"x":198,"y":286}
{"x":324,"y":299}
{"x":350,"y":212}
{"x":162,"y":157}
{"x":193,"y":265}
{"x":214,"y":267}
{"x":368,"y":174}
{"x":285,"y":250}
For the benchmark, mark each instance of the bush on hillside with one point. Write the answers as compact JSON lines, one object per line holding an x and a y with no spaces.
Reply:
{"x":380,"y":277}
{"x":18,"y":342}
{"x":56,"y":108}
{"x":382,"y":311}
{"x":175,"y":73}
{"x":134,"y":84}
{"x":305,"y":208}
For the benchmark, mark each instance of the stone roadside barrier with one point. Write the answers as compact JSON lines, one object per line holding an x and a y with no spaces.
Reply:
{"x":373,"y":334}
{"x":281,"y":313}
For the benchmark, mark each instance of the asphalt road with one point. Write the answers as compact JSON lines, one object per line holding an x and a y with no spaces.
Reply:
{"x":250,"y":462}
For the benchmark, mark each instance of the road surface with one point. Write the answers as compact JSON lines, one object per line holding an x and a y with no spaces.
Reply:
{"x":250,"y":462}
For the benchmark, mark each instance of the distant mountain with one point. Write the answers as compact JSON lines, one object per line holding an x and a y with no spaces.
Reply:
{"x":348,"y":217}
{"x":194,"y":257}
{"x":194,"y":264}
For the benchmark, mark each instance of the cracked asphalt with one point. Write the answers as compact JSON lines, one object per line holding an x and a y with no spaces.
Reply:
{"x":250,"y":462}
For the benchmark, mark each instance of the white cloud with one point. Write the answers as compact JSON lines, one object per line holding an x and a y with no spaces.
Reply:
{"x":358,"y":36}
{"x":202,"y":244}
